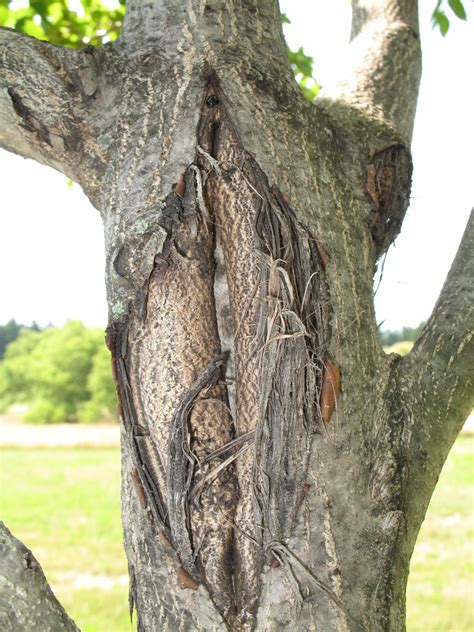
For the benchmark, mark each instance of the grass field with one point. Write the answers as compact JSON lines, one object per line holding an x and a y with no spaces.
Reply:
{"x":64,"y":505}
{"x":441,"y":585}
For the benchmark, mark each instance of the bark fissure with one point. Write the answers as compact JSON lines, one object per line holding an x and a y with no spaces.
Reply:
{"x":181,"y":431}
{"x":184,"y":418}
{"x":29,"y":121}
{"x":234,"y":200}
{"x":280,"y":307}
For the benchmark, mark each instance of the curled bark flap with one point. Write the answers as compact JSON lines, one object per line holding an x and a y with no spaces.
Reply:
{"x":329,"y":389}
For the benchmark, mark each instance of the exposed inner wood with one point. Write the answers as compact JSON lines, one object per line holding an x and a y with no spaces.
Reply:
{"x":235,"y":203}
{"x":277,"y":298}
{"x":167,"y":365}
{"x":225,"y":489}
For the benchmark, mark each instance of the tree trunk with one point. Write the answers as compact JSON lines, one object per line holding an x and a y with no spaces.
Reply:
{"x":276,"y":464}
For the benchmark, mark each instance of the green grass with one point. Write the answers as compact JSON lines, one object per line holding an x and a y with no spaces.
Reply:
{"x":441,"y":584}
{"x":64,"y":505}
{"x":402,"y":348}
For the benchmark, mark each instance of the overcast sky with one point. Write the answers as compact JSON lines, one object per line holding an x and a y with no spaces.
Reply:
{"x":51,"y":248}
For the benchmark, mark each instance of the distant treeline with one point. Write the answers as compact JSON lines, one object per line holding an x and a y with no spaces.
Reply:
{"x":60,"y":373}
{"x":405,"y":334}
{"x":64,"y":373}
{"x":11,"y":331}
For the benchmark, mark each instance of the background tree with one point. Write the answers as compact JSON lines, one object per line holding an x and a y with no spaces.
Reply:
{"x":102,"y":402}
{"x":405,"y":333}
{"x":63,"y":373}
{"x":10,"y":331}
{"x":240,"y":217}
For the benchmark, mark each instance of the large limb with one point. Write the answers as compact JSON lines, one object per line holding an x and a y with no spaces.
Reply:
{"x":26,"y":600}
{"x":384,"y":63}
{"x":437,"y":377}
{"x":374,"y":101}
{"x":46,"y":94}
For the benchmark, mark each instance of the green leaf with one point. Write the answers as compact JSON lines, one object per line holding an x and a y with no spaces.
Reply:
{"x":301,"y":62}
{"x":58,"y":24}
{"x":441,"y":21}
{"x":26,"y":25}
{"x":458,"y":8}
{"x":55,"y":12}
{"x":4,"y":14}
{"x":302,"y":67}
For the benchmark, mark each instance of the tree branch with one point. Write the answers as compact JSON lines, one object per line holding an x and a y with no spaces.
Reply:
{"x":444,"y":352}
{"x":26,"y":600}
{"x":437,"y":376}
{"x":45,"y":95}
{"x":384,"y":63}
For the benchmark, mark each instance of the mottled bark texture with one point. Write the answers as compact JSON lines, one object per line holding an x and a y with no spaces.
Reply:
{"x":277,"y":464}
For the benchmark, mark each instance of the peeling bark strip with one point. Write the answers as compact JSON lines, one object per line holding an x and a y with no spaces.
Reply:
{"x":182,"y":466}
{"x":167,"y":362}
{"x":291,"y":342}
{"x":279,"y":304}
{"x":117,"y":342}
{"x":330,"y":389}
{"x":139,"y":488}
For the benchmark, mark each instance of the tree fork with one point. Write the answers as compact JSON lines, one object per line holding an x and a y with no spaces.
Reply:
{"x":242,"y":220}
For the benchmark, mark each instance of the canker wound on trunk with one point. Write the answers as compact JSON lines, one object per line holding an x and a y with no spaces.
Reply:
{"x":223,"y":488}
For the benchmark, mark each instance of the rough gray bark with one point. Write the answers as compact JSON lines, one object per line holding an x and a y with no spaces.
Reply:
{"x":384,"y":63}
{"x":26,"y":600}
{"x":276,"y":463}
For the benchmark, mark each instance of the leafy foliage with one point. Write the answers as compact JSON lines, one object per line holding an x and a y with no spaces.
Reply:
{"x":73,"y":23}
{"x":302,"y":66}
{"x":63,"y":374}
{"x":103,"y":399}
{"x":10,"y":331}
{"x":441,"y":20}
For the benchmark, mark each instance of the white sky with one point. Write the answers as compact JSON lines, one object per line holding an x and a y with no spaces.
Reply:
{"x":51,"y":250}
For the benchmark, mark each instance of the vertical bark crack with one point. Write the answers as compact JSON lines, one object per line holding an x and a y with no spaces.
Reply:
{"x":223,"y":483}
{"x":279,"y":303}
{"x":174,"y":405}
